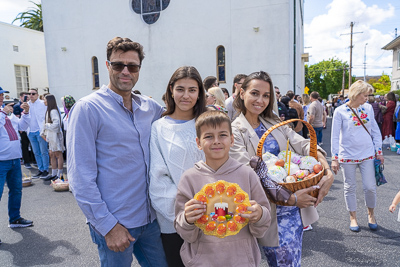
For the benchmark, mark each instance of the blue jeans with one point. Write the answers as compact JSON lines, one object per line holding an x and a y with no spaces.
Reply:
{"x":10,"y":171}
{"x":147,"y":248}
{"x":40,"y":150}
{"x":318,"y":131}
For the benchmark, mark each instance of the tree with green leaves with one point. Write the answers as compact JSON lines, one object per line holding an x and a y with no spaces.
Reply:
{"x":326,"y":77}
{"x":32,"y":18}
{"x":382,"y":86}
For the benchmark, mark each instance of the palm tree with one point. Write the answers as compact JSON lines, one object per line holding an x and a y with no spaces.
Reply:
{"x":31,"y":18}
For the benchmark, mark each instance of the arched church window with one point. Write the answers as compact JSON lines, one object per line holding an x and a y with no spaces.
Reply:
{"x":221,"y":64}
{"x":95,"y":73}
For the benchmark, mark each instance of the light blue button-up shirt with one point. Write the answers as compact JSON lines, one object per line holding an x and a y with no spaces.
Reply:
{"x":108,"y":158}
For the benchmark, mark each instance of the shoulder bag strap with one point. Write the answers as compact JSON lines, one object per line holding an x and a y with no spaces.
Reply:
{"x":360,"y":120}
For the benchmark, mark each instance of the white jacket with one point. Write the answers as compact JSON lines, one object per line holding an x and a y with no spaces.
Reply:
{"x":173,"y":150}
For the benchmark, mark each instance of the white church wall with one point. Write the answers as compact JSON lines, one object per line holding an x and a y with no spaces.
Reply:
{"x":31,"y":53}
{"x":187,"y":33}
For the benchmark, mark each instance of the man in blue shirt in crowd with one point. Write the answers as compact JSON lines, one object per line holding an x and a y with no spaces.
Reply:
{"x":10,"y":154}
{"x":108,"y":162}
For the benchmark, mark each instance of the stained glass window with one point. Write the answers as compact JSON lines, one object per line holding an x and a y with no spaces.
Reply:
{"x":221,"y":64}
{"x":149,"y":9}
{"x":95,"y":73}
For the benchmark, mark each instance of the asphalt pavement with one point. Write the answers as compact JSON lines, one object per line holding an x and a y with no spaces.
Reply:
{"x":60,"y":236}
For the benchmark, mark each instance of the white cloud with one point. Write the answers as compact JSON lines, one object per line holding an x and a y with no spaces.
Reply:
{"x":323,"y":35}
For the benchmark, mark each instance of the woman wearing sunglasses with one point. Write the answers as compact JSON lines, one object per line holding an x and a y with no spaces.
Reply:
{"x":173,"y":150}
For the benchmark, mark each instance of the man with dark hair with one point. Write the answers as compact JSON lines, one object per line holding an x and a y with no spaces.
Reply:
{"x":316,"y":116}
{"x":108,"y":162}
{"x":26,"y":156}
{"x":210,"y":81}
{"x":300,"y":112}
{"x":10,"y":154}
{"x":39,"y":145}
{"x":237,"y":84}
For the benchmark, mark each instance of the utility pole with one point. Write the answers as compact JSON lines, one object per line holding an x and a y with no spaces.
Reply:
{"x":344,"y":74}
{"x":351,"y":51}
{"x":351,"y":48}
{"x":365,"y":59}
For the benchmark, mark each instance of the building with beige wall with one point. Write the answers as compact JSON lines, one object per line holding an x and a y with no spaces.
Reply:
{"x":395,"y":47}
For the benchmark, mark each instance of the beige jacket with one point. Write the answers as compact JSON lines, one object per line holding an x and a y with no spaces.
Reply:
{"x":241,"y":249}
{"x":245,"y":146}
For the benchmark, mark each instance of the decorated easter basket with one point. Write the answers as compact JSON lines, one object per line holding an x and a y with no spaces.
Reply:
{"x":295,"y":186}
{"x":60,"y":186}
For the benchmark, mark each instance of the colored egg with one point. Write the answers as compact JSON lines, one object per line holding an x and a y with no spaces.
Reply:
{"x":220,"y":187}
{"x":231,"y":190}
{"x":210,"y":192}
{"x":211,"y":226}
{"x":241,"y":208}
{"x":203,"y":219}
{"x":232,"y":226}
{"x":239,"y":219}
{"x":239,"y":198}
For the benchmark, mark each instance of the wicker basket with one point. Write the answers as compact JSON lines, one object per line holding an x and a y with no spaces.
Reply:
{"x":313,"y":152}
{"x":26,"y":182}
{"x":60,"y":186}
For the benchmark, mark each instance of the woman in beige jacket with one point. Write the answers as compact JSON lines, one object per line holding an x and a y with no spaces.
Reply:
{"x":283,"y":241}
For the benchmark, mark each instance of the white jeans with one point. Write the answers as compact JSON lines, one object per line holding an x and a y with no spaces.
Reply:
{"x":367,"y":170}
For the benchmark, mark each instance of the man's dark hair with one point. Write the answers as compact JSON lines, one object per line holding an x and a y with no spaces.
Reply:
{"x":290,"y":94}
{"x":208,"y":82}
{"x":314,"y":95}
{"x":225,"y":91}
{"x":23,"y":93}
{"x":125,"y":45}
{"x":237,"y":79}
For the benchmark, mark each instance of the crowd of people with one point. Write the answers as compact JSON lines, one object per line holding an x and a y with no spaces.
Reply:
{"x":31,"y":125}
{"x":135,"y":180}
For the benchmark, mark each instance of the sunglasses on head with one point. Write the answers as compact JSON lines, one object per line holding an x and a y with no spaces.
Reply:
{"x":32,"y":93}
{"x":118,"y":66}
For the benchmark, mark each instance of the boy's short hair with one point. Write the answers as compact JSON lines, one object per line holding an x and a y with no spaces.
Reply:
{"x":212,"y":118}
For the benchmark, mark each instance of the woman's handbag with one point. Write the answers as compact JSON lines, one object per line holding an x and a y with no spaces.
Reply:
{"x":379,"y":177}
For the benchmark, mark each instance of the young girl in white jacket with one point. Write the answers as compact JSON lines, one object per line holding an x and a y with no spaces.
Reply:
{"x":173,"y":150}
{"x":52,"y":133}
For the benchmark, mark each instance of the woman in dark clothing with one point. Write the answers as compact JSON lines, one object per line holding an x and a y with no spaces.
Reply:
{"x":388,"y":126}
{"x":377,"y":111}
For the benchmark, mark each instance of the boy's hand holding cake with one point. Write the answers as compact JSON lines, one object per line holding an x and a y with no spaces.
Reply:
{"x":194,"y":209}
{"x":256,"y":212}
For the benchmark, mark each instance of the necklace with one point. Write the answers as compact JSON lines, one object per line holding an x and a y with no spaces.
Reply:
{"x":254,"y":125}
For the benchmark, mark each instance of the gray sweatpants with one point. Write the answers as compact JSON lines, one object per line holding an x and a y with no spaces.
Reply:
{"x":367,"y":170}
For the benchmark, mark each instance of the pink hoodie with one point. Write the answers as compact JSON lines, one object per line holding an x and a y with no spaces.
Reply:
{"x":241,"y":249}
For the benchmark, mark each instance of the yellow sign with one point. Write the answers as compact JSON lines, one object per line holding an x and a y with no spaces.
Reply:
{"x":306,"y":89}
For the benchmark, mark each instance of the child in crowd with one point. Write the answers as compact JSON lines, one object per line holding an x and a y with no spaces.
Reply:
{"x":395,"y":201}
{"x":214,"y":137}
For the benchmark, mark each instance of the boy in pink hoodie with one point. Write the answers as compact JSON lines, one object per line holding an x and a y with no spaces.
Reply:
{"x":214,"y":137}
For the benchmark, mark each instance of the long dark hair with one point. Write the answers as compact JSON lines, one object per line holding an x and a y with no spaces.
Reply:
{"x":51,"y":104}
{"x":182,"y":73}
{"x":238,"y":103}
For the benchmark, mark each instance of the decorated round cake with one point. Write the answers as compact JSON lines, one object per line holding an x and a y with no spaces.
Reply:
{"x":225,"y":201}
